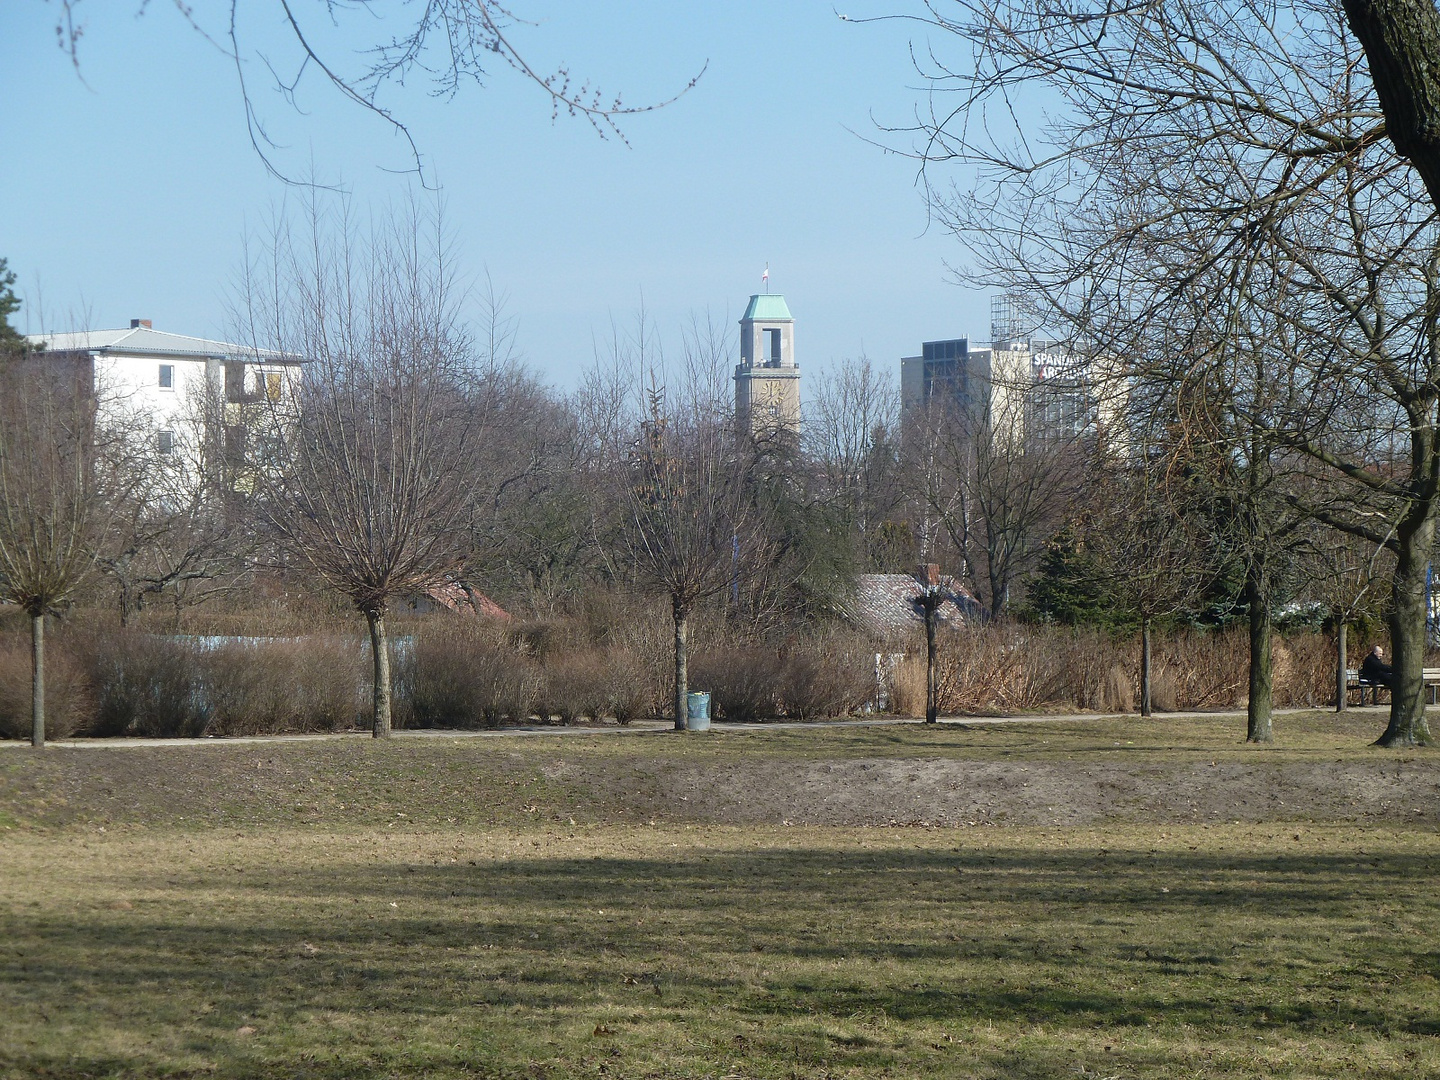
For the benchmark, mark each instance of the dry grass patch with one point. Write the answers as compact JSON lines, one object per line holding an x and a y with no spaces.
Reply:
{"x":687,"y":951}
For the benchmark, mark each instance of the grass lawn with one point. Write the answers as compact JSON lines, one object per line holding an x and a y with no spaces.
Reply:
{"x":241,"y":911}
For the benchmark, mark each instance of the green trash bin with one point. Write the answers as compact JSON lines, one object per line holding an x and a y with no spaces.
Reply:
{"x":697,"y":711}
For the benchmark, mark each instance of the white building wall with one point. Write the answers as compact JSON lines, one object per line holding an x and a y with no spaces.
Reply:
{"x":128,"y":388}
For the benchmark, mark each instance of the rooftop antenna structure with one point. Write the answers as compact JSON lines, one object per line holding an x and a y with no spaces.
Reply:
{"x":1012,"y":319}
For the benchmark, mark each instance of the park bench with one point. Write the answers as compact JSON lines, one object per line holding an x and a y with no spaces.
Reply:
{"x":1353,"y":681}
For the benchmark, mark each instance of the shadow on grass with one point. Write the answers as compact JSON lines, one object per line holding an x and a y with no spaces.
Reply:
{"x":1078,"y":938}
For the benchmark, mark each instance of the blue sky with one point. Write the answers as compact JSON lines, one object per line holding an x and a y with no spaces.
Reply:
{"x":127,"y":194}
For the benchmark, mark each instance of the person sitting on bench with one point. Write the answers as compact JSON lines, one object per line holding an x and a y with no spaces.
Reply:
{"x":1374,"y":670}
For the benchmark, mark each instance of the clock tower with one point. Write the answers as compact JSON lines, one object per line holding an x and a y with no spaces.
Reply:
{"x":767,"y":380}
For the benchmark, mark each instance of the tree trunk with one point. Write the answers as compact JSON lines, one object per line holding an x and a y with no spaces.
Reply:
{"x":1408,"y":726}
{"x":1401,"y":39}
{"x":37,"y":679}
{"x":1145,"y":666}
{"x":380,"y":656}
{"x":681,"y":612}
{"x":1342,"y":680}
{"x":1258,"y":709}
{"x":932,"y":692}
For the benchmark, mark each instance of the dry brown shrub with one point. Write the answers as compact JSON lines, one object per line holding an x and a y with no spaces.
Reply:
{"x":465,"y":674}
{"x":907,"y":686}
{"x":272,"y":686}
{"x":1208,"y":670}
{"x":1001,"y":668}
{"x":1304,"y":671}
{"x":742,"y":680}
{"x":593,"y":683}
{"x":145,"y":685}
{"x":68,"y":704}
{"x":1164,"y":688}
{"x":575,"y":684}
{"x":828,"y":676}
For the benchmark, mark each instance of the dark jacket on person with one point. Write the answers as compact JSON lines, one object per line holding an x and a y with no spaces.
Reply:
{"x":1375,"y":670}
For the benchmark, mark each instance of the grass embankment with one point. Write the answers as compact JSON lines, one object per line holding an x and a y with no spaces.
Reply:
{"x":348,"y":910}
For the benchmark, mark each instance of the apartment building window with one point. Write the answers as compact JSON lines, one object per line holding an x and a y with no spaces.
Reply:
{"x":273,"y":385}
{"x":167,"y":376}
{"x":165,"y":442}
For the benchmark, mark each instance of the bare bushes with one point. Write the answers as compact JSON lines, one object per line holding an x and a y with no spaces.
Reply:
{"x":169,"y":687}
{"x":472,"y":674}
{"x":593,"y":683}
{"x":1304,"y":671}
{"x":1011,"y":668}
{"x":67,"y":700}
{"x":827,"y":676}
{"x":1199,"y":670}
{"x":145,"y":685}
{"x":742,"y":681}
{"x":830,"y":676}
{"x":302,"y":684}
{"x":466,"y":675}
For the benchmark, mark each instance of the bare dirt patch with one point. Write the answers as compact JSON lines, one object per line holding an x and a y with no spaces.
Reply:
{"x":1066,"y":773}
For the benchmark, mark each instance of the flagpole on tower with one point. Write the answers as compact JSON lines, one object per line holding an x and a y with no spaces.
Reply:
{"x":765,"y":277}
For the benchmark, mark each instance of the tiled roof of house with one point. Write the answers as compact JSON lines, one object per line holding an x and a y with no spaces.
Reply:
{"x":455,"y":597}
{"x":890,"y":603}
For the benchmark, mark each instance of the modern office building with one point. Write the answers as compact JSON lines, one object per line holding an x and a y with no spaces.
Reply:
{"x":1020,"y":386}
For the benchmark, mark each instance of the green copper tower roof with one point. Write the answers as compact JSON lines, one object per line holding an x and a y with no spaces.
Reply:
{"x":767,"y":307}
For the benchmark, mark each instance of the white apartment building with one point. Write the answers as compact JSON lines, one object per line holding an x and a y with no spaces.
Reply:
{"x":173,"y":387}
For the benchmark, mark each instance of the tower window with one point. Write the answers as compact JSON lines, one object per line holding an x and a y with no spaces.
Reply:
{"x":774,"y":358}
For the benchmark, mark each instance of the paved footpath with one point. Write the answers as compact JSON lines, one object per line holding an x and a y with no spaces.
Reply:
{"x":646,"y":727}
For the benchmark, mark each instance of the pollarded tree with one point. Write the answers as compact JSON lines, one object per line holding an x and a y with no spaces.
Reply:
{"x":61,"y":476}
{"x":362,"y":470}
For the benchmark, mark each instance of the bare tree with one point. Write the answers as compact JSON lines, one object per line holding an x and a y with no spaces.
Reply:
{"x":691,"y":523}
{"x":1234,"y":154}
{"x":852,"y":437}
{"x":183,"y":534}
{"x":996,"y":488}
{"x":363,"y":472}
{"x":59,"y":482}
{"x":453,"y":43}
{"x":1145,"y":555}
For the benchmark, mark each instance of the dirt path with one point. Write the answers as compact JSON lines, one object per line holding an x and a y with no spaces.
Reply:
{"x":643,"y":727}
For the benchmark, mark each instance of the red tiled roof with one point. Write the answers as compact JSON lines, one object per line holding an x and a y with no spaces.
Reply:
{"x":453,"y":596}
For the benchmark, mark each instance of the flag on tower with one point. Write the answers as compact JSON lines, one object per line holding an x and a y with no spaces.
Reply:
{"x":765,"y":277}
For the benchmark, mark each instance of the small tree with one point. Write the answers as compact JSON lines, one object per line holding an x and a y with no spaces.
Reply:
{"x":1144,"y":555}
{"x":363,"y":474}
{"x":691,"y":523}
{"x":58,"y":479}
